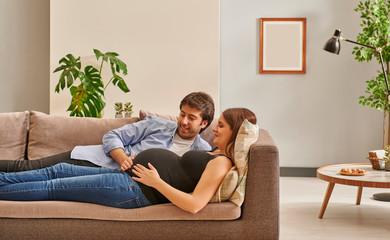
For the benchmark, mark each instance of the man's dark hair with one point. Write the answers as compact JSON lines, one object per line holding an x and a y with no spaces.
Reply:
{"x":203,"y":102}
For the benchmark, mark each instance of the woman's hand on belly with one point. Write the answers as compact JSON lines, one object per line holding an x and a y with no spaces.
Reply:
{"x":149,"y":177}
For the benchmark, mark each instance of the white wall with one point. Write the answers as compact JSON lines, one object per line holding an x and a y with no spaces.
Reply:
{"x":314,"y":118}
{"x":171,"y":48}
{"x":24,"y":55}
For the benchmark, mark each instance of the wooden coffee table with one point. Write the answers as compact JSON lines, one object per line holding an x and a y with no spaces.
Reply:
{"x":373,"y":178}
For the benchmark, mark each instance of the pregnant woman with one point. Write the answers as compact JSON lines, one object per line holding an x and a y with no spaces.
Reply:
{"x":157,"y":176}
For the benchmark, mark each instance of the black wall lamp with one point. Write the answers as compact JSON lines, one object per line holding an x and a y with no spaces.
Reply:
{"x":333,"y":46}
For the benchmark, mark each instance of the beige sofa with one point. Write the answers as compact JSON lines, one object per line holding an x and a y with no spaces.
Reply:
{"x":32,"y":135}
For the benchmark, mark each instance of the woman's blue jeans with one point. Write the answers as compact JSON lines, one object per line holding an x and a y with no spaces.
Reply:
{"x":109,"y":187}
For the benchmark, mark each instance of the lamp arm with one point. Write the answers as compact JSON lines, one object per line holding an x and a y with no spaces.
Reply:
{"x":379,"y":50}
{"x":384,"y":72}
{"x":361,"y":44}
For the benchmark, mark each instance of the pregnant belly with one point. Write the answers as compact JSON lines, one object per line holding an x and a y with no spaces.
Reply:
{"x":168,"y":167}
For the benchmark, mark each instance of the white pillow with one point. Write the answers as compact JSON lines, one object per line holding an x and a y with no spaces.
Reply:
{"x":227,"y":187}
{"x":232,"y":187}
{"x":247,"y":135}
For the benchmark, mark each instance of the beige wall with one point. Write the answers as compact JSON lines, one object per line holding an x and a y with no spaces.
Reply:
{"x":24,"y":55}
{"x":171,"y":48}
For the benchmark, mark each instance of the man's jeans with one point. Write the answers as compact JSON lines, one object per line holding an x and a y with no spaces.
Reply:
{"x":27,"y":165}
{"x":109,"y":187}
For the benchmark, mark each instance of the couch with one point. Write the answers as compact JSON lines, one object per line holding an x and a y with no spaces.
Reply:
{"x":31,"y":135}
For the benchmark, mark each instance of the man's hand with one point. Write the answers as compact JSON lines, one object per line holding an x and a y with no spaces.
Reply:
{"x":127,"y":163}
{"x":122,"y":159}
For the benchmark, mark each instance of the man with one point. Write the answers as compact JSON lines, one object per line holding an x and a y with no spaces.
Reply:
{"x":122,"y":144}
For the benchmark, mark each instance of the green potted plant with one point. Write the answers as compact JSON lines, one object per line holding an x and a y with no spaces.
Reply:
{"x":88,"y":93}
{"x":128,"y":109}
{"x":118,"y":110}
{"x":375,"y":32}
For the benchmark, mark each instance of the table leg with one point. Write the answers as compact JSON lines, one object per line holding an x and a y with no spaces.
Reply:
{"x":359,"y":195}
{"x":326,"y":199}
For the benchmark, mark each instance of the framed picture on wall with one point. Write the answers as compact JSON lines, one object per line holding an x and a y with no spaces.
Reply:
{"x":282,"y":45}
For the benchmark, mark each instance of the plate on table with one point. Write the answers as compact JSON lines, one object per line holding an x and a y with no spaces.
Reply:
{"x":352,"y":172}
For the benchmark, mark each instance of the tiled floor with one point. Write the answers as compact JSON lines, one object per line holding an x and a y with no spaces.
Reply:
{"x":300,"y":203}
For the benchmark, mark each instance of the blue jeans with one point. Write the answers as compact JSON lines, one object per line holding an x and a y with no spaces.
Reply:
{"x":109,"y":187}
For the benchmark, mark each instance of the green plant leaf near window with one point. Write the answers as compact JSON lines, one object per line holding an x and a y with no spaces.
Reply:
{"x":375,"y":32}
{"x":88,"y":96}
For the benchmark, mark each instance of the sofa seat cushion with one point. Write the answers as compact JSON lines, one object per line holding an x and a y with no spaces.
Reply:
{"x":63,"y":209}
{"x":13,"y":135}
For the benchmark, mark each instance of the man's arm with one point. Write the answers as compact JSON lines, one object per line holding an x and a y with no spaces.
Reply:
{"x":121,"y":158}
{"x":116,"y":141}
{"x":129,"y":134}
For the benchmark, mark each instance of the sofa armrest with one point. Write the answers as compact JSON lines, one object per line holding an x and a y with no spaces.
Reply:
{"x":262,"y":189}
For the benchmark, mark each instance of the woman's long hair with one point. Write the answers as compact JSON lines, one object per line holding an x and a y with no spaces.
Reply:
{"x":234,"y":117}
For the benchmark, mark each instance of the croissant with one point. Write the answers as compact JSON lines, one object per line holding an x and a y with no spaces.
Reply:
{"x":352,"y":171}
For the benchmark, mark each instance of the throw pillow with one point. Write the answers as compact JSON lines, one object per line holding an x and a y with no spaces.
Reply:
{"x":143,"y":114}
{"x":247,"y":135}
{"x":232,"y":187}
{"x":13,"y":135}
{"x":227,"y":187}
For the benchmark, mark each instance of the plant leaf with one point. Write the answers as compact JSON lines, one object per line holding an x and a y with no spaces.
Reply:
{"x":99,"y":54}
{"x":118,"y":81}
{"x":112,"y":57}
{"x":85,"y":103}
{"x":93,"y":81}
{"x":70,"y":71}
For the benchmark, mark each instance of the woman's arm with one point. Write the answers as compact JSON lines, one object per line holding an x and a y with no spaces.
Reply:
{"x":208,"y":184}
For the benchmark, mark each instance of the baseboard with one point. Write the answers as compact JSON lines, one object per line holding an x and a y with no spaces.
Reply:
{"x":298,"y":172}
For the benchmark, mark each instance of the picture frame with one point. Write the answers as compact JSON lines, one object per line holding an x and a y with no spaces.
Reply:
{"x":282,"y":45}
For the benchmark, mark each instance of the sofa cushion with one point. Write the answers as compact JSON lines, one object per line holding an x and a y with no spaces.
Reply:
{"x":227,"y":187}
{"x":63,"y":209}
{"x":13,"y":135}
{"x":143,"y":114}
{"x":246,"y":136}
{"x":70,"y":132}
{"x":207,"y":135}
{"x":233,"y":185}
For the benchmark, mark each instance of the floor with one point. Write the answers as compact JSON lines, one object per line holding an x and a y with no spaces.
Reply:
{"x":300,"y":203}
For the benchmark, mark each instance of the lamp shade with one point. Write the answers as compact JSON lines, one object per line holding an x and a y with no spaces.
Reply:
{"x":333,"y":44}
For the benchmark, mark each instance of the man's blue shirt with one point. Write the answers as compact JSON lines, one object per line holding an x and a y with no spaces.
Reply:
{"x":152,"y":132}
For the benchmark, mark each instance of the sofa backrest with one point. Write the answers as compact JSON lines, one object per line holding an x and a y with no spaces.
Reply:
{"x":13,"y":135}
{"x":33,"y":135}
{"x":49,"y":135}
